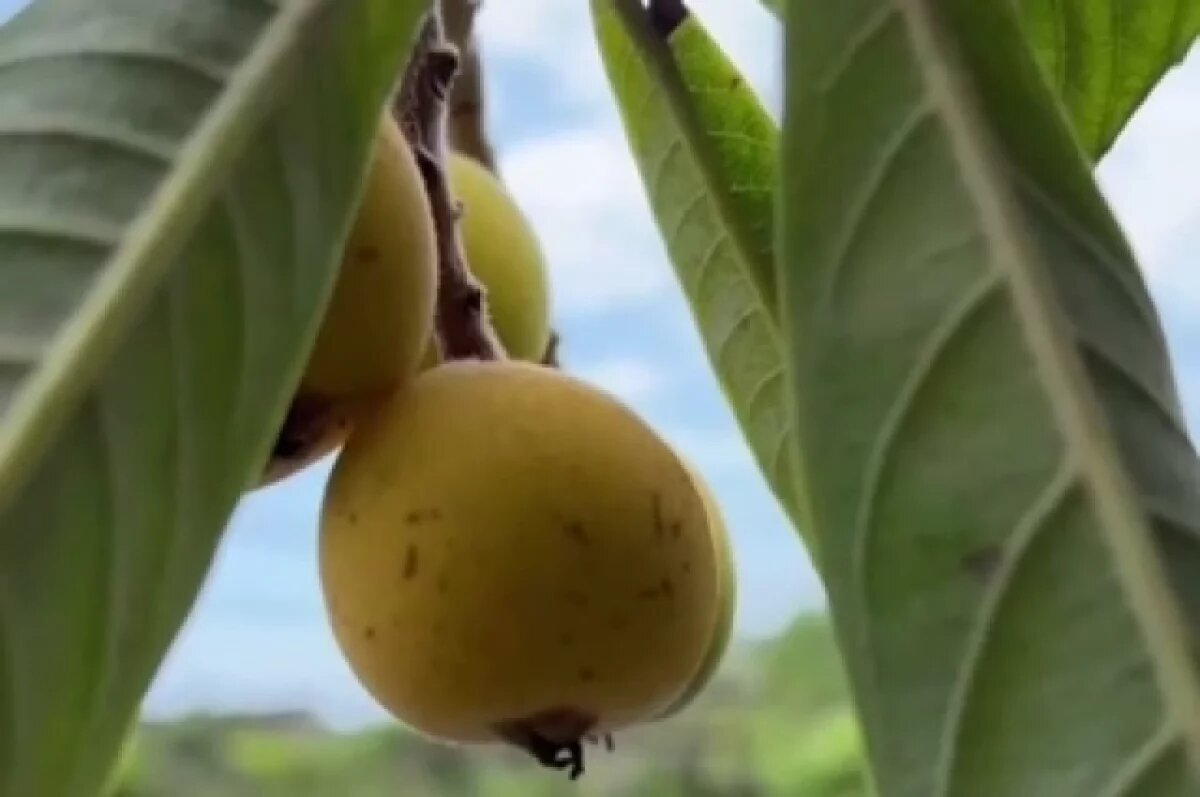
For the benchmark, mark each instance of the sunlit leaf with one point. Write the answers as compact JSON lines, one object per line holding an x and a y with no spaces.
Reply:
{"x":706,"y":150}
{"x":1103,"y":57}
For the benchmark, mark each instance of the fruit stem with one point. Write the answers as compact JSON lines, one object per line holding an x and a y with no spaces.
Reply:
{"x":463,"y":328}
{"x":667,"y":15}
{"x":550,"y":358}
{"x":468,"y":131}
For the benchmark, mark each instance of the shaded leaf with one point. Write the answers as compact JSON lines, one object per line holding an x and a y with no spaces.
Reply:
{"x":992,"y":438}
{"x":177,"y":180}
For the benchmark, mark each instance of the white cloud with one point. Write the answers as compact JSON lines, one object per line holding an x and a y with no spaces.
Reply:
{"x":553,"y":36}
{"x":1151,"y":174}
{"x":583,"y":195}
{"x":633,"y":380}
{"x":711,"y":451}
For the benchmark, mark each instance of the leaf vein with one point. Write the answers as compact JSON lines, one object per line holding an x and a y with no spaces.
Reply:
{"x":1104,"y":358}
{"x":873,"y":26}
{"x":1125,"y":280}
{"x":32,"y":55}
{"x":1149,"y":753}
{"x":865,"y":194}
{"x":160,"y":152}
{"x":660,"y":170}
{"x":692,"y":206}
{"x":879,"y":453}
{"x":1026,"y":530}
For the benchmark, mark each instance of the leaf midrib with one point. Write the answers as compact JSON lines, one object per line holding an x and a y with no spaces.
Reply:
{"x":1068,"y":391}
{"x":143,"y":259}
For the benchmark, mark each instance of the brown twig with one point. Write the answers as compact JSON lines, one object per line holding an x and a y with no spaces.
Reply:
{"x":463,"y":328}
{"x":550,"y":358}
{"x":468,"y":128}
{"x":667,"y":15}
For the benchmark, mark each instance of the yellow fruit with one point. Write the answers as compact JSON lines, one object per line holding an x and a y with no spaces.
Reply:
{"x":381,"y":313}
{"x":379,"y":317}
{"x":504,"y":254}
{"x":509,"y":554}
{"x":727,"y":606}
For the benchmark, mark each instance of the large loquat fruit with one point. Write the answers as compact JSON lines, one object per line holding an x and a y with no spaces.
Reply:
{"x":510,"y":554}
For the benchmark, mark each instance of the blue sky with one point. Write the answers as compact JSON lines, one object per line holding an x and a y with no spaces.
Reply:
{"x":258,"y":637}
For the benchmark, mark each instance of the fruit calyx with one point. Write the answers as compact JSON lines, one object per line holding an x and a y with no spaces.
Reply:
{"x":554,"y":737}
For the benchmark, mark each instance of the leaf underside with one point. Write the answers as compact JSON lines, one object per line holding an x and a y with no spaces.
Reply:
{"x":178,"y":179}
{"x":706,"y":151}
{"x":992,"y":439}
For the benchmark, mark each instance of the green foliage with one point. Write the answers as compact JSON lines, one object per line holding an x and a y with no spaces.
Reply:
{"x":929,"y":325}
{"x":178,"y":178}
{"x":748,"y":734}
{"x":981,"y":378}
{"x":1102,"y":57}
{"x":706,"y":151}
{"x":984,"y":420}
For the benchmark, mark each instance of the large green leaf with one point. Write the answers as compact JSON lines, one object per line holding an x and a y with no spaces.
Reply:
{"x":706,"y":150}
{"x":993,"y":444}
{"x":1103,"y":57}
{"x":176,"y":180}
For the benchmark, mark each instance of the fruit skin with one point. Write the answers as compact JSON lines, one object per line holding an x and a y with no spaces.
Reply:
{"x":504,"y":254}
{"x":502,"y":541}
{"x":727,"y":595}
{"x":380,"y":314}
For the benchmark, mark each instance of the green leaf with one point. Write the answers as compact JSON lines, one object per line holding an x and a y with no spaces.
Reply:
{"x":178,"y":178}
{"x":1104,"y":57}
{"x":992,"y":439}
{"x":706,"y":150}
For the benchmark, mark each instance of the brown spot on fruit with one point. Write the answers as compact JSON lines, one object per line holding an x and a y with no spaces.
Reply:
{"x":369,"y":632}
{"x":577,"y":533}
{"x":410,"y":562}
{"x":660,"y":526}
{"x":367,"y":254}
{"x":417,"y":516}
{"x":587,"y":674}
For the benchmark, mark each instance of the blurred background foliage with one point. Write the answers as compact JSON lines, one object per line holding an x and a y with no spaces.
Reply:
{"x":775,"y":721}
